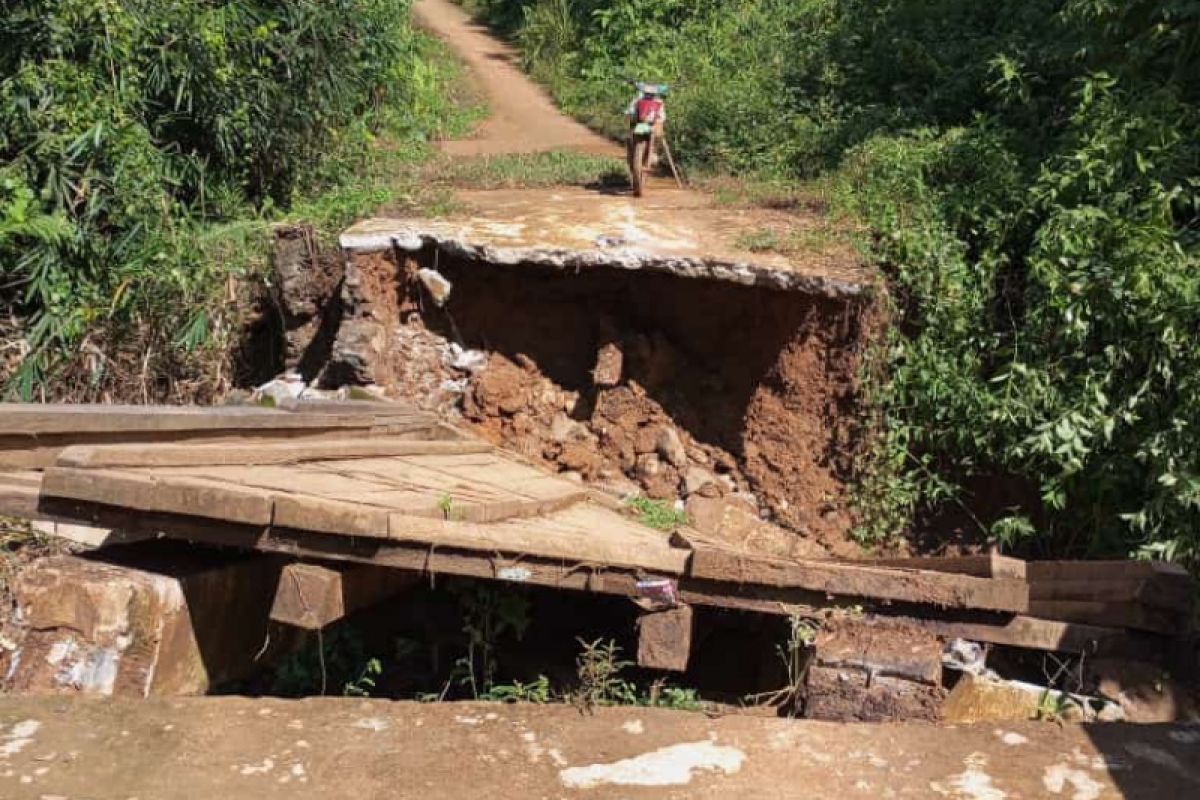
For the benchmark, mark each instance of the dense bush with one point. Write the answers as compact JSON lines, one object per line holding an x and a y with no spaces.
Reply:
{"x":1031,"y":173}
{"x":140,"y":138}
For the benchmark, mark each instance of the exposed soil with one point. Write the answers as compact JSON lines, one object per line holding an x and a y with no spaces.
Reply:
{"x":676,"y":387}
{"x":332,"y":748}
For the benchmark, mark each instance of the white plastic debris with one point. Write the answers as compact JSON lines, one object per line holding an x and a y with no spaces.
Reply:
{"x":436,"y":284}
{"x":288,"y":386}
{"x":967,"y":656}
{"x":471,"y":361}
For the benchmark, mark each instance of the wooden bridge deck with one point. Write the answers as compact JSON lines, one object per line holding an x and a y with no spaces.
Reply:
{"x":390,"y":487}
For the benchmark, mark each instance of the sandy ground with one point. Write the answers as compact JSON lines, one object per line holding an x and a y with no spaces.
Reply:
{"x":523,"y":118}
{"x":245,"y":748}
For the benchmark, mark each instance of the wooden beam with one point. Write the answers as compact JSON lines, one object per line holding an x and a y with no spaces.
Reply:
{"x":256,"y":452}
{"x":143,"y":492}
{"x":37,"y":419}
{"x":665,"y":639}
{"x":990,"y":565}
{"x":312,"y":596}
{"x":1118,"y":614}
{"x":880,"y":583}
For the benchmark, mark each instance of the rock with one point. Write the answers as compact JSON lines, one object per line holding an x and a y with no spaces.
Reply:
{"x":609,"y":364}
{"x":663,"y":486}
{"x":579,"y":458}
{"x":150,"y":619}
{"x":645,"y":440}
{"x":563,"y":428}
{"x":670,"y":447}
{"x":844,"y":695}
{"x":1144,"y":692}
{"x":648,"y":466}
{"x":572,"y":476}
{"x":620,"y":486}
{"x":436,"y":284}
{"x":697,"y":478}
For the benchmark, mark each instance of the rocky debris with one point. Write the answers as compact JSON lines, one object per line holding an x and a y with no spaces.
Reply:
{"x":308,"y":284}
{"x":1145,"y":692}
{"x":436,"y":284}
{"x":668,"y":445}
{"x":609,"y":363}
{"x":697,"y":480}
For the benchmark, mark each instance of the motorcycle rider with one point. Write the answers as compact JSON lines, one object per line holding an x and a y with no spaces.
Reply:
{"x":647,"y":106}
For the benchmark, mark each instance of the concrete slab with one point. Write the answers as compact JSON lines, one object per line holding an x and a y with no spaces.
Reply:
{"x":677,"y":232}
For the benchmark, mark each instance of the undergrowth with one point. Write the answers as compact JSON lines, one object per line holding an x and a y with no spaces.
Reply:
{"x":1027,"y":177}
{"x":146,"y":149}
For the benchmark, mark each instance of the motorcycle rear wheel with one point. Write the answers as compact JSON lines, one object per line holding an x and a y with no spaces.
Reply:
{"x":638,"y":159}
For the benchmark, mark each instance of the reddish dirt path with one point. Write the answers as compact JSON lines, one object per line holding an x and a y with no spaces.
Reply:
{"x":523,"y":117}
{"x":234,"y":748}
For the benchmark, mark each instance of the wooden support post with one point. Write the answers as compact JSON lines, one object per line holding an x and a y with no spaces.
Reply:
{"x":312,"y":596}
{"x":665,"y":639}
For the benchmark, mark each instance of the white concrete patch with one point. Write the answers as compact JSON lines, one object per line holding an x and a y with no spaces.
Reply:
{"x":1058,"y":776}
{"x":19,"y":737}
{"x":1012,"y":738}
{"x":372,"y":724}
{"x":468,"y":720}
{"x":266,"y":766}
{"x":973,"y":783}
{"x":667,"y":766}
{"x":634,"y":726}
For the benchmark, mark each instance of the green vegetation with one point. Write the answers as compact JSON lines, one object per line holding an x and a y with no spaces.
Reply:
{"x":147,"y":145}
{"x":1030,"y":176}
{"x":657,"y":514}
{"x":556,"y":168}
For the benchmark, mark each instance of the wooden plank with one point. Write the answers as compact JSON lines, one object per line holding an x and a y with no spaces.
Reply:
{"x":180,"y":495}
{"x":251,"y":452}
{"x":38,"y":419}
{"x":1032,"y":633}
{"x":532,"y":537}
{"x":41,"y":452}
{"x":1097,"y":570}
{"x":1116,"y":614}
{"x":981,"y":566}
{"x":330,"y":516}
{"x":532,"y":570}
{"x":1168,"y":595}
{"x":312,"y":596}
{"x":665,"y":639}
{"x":18,"y":500}
{"x":914,"y":586}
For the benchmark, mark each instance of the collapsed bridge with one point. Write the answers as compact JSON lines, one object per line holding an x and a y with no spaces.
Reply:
{"x":535,"y":362}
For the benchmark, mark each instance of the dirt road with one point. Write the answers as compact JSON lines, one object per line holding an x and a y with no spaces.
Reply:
{"x":523,"y":117}
{"x":242,"y":748}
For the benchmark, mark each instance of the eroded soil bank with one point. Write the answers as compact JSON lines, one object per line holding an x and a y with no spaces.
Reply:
{"x":631,"y":380}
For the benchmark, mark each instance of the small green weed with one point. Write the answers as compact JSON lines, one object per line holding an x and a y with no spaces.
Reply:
{"x":657,"y":514}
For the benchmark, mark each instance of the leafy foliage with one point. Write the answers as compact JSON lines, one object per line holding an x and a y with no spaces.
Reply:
{"x":145,"y":143}
{"x":1030,"y":173}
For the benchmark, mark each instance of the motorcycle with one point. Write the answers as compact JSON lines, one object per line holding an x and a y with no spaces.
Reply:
{"x":647,"y":114}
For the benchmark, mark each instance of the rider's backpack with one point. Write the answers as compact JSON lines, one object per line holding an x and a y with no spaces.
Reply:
{"x":648,"y":109}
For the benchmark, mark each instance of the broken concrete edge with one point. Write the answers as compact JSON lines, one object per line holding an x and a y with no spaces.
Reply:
{"x":410,"y":240}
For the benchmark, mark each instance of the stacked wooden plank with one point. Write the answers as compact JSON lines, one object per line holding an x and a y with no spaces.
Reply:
{"x":1149,"y":596}
{"x":32,"y":435}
